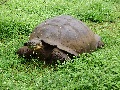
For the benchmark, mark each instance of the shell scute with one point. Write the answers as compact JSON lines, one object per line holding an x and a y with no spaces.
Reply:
{"x":67,"y":33}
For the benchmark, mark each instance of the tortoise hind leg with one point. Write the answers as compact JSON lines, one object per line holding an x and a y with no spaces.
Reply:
{"x":60,"y":55}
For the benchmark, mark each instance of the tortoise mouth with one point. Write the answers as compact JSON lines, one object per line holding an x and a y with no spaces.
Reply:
{"x":35,"y":47}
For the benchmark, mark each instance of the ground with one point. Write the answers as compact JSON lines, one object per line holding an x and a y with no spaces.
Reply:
{"x":98,"y":70}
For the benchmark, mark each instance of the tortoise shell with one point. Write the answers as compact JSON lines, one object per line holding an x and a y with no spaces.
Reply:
{"x":66,"y":33}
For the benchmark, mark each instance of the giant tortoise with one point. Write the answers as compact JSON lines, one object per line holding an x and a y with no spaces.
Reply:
{"x":60,"y":38}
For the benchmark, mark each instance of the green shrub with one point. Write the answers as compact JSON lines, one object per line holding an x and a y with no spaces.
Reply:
{"x":98,"y":70}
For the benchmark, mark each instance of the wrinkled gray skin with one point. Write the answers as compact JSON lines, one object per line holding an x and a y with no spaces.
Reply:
{"x":60,"y":38}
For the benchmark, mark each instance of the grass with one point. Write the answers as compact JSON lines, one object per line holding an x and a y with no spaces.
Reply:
{"x":99,"y":70}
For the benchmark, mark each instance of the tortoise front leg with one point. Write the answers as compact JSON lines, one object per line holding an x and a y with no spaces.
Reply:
{"x":60,"y":55}
{"x":25,"y":52}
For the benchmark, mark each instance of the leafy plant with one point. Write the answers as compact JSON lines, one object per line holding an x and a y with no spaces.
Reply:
{"x":98,"y":70}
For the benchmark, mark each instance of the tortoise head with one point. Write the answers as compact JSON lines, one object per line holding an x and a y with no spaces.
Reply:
{"x":34,"y":44}
{"x":99,"y":42}
{"x":32,"y":49}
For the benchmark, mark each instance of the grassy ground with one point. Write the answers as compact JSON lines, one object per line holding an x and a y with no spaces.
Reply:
{"x":99,"y":70}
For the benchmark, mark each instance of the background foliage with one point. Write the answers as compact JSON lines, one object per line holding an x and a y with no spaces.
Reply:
{"x":98,"y":70}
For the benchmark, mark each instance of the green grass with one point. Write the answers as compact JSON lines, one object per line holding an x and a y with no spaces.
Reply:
{"x":98,"y":70}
